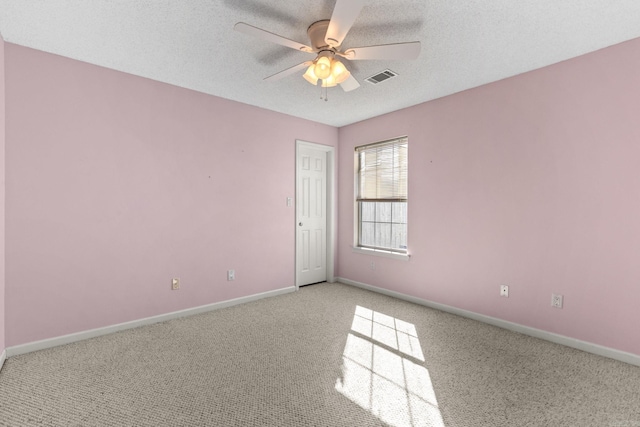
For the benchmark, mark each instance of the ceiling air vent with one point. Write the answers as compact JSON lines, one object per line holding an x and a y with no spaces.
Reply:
{"x":380,"y":77}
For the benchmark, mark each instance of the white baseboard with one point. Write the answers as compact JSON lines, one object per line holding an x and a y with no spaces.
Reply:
{"x":92,"y":333}
{"x":622,"y":356}
{"x":3,"y":357}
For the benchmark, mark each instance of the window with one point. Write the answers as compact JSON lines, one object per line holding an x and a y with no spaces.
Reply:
{"x":381,"y":179}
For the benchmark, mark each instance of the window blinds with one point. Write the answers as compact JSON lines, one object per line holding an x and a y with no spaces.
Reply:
{"x":382,"y":171}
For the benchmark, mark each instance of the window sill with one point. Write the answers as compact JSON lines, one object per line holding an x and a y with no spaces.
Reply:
{"x":378,"y":252}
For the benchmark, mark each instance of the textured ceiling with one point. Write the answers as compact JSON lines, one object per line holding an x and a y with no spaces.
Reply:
{"x":192,"y":44}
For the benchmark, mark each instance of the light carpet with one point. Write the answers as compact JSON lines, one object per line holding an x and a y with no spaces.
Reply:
{"x":327,"y":355}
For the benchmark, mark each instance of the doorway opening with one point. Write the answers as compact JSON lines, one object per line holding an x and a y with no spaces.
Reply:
{"x":315,"y":216}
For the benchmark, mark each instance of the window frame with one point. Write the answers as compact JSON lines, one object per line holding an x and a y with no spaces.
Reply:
{"x":401,"y":197}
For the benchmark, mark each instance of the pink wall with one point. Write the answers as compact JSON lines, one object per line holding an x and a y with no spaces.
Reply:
{"x":2,"y":204}
{"x":116,"y":184}
{"x":532,"y":182}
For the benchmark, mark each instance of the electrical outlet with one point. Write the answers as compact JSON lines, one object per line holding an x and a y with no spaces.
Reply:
{"x":231,"y":275}
{"x":175,"y":284}
{"x":372,"y":265}
{"x":504,"y":291}
{"x":556,"y":300}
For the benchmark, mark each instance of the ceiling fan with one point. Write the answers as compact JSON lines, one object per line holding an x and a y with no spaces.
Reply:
{"x":326,"y":38}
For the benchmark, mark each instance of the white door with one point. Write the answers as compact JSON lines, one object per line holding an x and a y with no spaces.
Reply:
{"x":311,"y":215}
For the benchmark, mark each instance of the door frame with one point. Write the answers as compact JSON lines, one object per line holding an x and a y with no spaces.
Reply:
{"x":331,"y":207}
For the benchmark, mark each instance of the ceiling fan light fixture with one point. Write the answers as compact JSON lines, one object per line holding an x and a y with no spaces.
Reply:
{"x":339,"y":71}
{"x":310,"y":76}
{"x":330,"y":81}
{"x":322,"y":68}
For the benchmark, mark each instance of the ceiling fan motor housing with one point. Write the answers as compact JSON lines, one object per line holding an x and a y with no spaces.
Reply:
{"x":316,"y":33}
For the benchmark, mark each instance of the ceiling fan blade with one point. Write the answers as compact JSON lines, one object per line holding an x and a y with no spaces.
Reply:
{"x":288,"y":71}
{"x":409,"y":50}
{"x":273,"y":38}
{"x":350,"y":84}
{"x":344,"y":15}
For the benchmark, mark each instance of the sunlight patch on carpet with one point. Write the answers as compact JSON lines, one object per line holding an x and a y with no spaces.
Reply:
{"x":382,"y":373}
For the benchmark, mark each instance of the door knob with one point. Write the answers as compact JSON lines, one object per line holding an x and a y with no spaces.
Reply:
{"x":300,"y":224}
